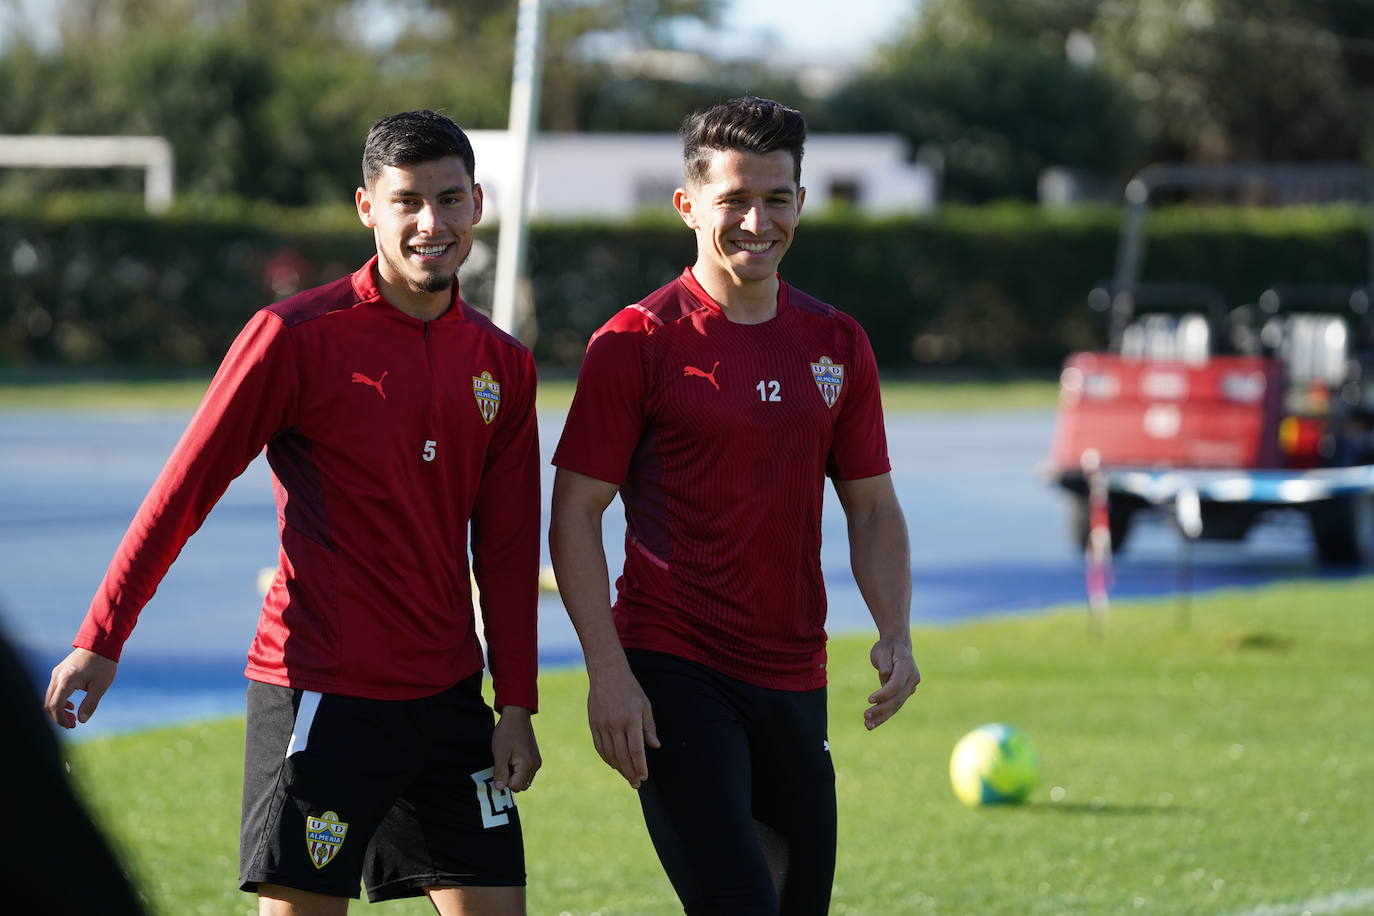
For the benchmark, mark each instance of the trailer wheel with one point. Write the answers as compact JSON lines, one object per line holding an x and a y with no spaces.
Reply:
{"x":1119,"y":514}
{"x":1343,"y":529}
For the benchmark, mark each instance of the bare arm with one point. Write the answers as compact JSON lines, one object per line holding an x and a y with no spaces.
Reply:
{"x":618,"y":712}
{"x":880,"y":556}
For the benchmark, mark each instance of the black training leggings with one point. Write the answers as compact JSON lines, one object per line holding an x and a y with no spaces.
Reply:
{"x":734,"y":756}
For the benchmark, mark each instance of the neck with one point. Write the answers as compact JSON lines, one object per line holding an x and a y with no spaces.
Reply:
{"x":747,"y":302}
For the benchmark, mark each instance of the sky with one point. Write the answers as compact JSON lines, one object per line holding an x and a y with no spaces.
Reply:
{"x":826,"y":32}
{"x":844,"y":30}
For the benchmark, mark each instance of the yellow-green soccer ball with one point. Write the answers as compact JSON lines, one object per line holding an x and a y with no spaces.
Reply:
{"x":994,"y":764}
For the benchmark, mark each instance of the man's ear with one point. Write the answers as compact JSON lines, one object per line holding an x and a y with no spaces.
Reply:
{"x":363,"y":201}
{"x":683,"y":204}
{"x":477,"y":199}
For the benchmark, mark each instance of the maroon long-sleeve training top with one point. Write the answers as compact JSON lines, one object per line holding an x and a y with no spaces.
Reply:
{"x":387,"y":436}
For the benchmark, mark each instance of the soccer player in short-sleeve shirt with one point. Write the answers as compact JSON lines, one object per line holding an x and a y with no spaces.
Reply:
{"x":716,"y":407}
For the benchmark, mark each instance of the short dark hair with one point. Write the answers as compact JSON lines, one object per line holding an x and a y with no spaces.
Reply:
{"x":749,"y":124}
{"x":411,"y":137}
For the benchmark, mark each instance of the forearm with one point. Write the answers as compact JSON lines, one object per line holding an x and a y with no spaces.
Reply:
{"x":579,"y":563}
{"x":880,"y":557}
{"x":509,"y":609}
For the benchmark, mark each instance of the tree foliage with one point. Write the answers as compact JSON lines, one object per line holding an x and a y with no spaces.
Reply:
{"x":999,"y":110}
{"x":1225,"y":80}
{"x":1004,"y":87}
{"x":272,"y":98}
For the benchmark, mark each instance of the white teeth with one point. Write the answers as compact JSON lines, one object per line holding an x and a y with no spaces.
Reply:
{"x":429,"y":251}
{"x":754,"y":246}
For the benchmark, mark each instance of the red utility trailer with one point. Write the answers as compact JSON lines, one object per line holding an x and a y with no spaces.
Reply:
{"x":1235,"y":413}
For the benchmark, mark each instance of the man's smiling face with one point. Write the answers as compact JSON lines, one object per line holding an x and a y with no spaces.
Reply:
{"x":744,"y":214}
{"x":422,"y":216}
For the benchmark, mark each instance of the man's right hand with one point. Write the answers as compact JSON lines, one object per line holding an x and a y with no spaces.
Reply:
{"x":622,"y":723}
{"x":81,"y":670}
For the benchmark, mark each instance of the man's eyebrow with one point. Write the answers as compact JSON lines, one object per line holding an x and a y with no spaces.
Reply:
{"x":738,"y":192}
{"x":411,"y":192}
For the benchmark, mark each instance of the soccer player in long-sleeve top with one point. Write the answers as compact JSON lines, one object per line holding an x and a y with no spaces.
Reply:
{"x":716,"y":407}
{"x":400,"y":427}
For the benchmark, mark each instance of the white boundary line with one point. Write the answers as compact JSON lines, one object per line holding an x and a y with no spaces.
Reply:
{"x":1340,"y":902}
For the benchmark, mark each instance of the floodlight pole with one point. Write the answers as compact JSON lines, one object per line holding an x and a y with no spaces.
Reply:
{"x":524,"y":116}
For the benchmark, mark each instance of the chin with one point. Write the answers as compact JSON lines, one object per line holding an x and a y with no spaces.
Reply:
{"x":756,"y":274}
{"x":434,"y":283}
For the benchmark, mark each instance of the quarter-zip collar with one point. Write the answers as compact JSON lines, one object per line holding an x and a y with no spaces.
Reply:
{"x":366,"y":289}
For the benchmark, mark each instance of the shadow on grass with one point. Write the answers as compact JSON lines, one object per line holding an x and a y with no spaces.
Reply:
{"x":1103,"y":808}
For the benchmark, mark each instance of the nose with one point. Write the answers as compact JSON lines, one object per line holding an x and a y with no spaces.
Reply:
{"x":427,"y":220}
{"x":755,"y":218}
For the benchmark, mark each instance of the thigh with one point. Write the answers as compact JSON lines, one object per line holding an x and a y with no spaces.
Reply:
{"x":697,"y":799}
{"x":794,"y":794}
{"x":320,"y":773}
{"x":450,"y":827}
{"x":488,"y":901}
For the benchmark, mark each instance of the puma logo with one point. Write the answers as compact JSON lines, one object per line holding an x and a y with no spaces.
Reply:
{"x":709,"y":376}
{"x":359,"y":377}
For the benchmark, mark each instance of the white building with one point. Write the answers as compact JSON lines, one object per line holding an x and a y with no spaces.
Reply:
{"x":614,"y":176}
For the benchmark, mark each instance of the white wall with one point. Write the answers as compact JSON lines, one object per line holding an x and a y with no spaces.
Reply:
{"x":616,"y":175}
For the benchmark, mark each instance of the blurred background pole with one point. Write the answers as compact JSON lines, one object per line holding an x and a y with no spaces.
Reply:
{"x":1188,"y":514}
{"x":507,"y":303}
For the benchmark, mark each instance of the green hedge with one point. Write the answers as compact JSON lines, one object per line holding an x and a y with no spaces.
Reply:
{"x":992,"y":288}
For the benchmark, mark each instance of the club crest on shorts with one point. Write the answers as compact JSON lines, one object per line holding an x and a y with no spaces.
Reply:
{"x":487,"y":391}
{"x":324,"y":836}
{"x":829,"y":379}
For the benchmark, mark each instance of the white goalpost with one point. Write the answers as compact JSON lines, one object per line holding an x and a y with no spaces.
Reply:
{"x":152,"y":154}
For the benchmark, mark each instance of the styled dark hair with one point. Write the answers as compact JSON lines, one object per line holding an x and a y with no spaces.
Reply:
{"x":749,"y":124}
{"x":411,"y":137}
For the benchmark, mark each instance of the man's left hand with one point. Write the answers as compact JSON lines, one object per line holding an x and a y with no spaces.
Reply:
{"x":514,"y":749}
{"x":897,"y":677}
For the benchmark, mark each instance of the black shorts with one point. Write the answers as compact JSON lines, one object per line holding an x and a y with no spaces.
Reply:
{"x":744,"y":774}
{"x":397,"y":793}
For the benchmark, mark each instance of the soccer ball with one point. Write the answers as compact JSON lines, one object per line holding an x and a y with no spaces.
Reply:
{"x":994,"y":764}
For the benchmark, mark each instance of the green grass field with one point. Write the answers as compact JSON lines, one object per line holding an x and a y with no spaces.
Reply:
{"x":122,"y":392}
{"x":1215,"y":769}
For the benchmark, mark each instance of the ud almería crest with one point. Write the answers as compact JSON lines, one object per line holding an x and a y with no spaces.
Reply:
{"x":487,"y":391}
{"x":829,"y":379}
{"x":324,"y":836}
